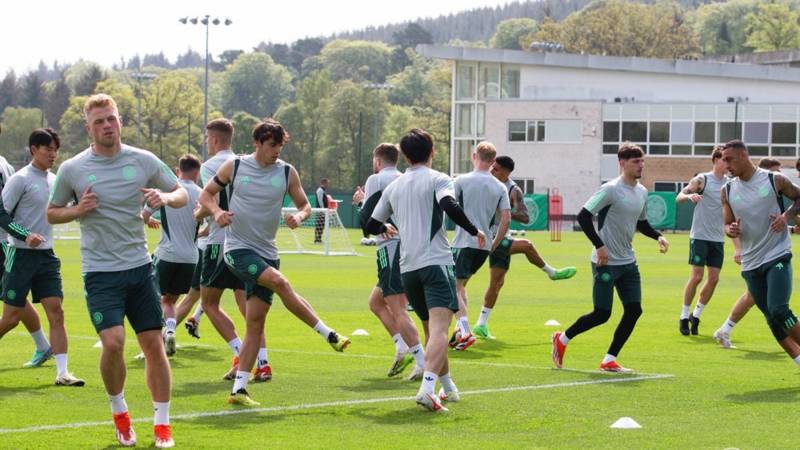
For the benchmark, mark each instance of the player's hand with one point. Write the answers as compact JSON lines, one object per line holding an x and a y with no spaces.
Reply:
{"x":87,"y":202}
{"x":153,"y":224}
{"x":602,"y":256}
{"x":777,"y":223}
{"x":358,"y":195}
{"x":154,"y":198}
{"x":34,"y":240}
{"x":481,"y":239}
{"x":663,"y":244}
{"x":737,"y":257}
{"x":695,"y":198}
{"x":734,"y":230}
{"x":390,"y":232}
{"x":293,"y":220}
{"x":223,"y":218}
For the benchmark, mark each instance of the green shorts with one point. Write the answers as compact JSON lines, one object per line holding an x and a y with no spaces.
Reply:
{"x":215,"y":272}
{"x":3,"y":249}
{"x":501,"y":256}
{"x":389,"y":280}
{"x":468,"y":261}
{"x":198,"y":270}
{"x":625,"y":278}
{"x":248,"y":265}
{"x":431,"y":287}
{"x":34,"y":271}
{"x":173,"y":278}
{"x":132,"y":293}
{"x":771,"y":288}
{"x":706,"y":253}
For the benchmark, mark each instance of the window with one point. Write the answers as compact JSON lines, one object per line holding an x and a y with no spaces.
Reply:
{"x":784,"y":152}
{"x":610,"y":131}
{"x":681,"y":132}
{"x":668,"y":186}
{"x":463,"y":155}
{"x":481,"y":119}
{"x":510,"y":82}
{"x":659,"y":131}
{"x":756,"y":132}
{"x":659,"y":149}
{"x":703,"y":150}
{"x":681,"y":149}
{"x":464,"y":120}
{"x":610,"y":149}
{"x":729,"y":131}
{"x":704,"y":132}
{"x":535,"y":130}
{"x":784,"y":133}
{"x":489,"y":81}
{"x":563,"y":131}
{"x":465,"y":82}
{"x":755,"y":150}
{"x":634,"y":131}
{"x":554,"y":131}
{"x":516,"y":131}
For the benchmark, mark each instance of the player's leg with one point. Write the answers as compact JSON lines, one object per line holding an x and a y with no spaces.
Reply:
{"x":184,"y":307}
{"x":629,"y":289}
{"x":192,"y":323}
{"x":758,"y":287}
{"x":12,"y":315}
{"x":526,"y":247}
{"x":415,"y":293}
{"x":16,"y":284}
{"x":257,"y":310}
{"x":779,"y":281}
{"x":378,"y":306}
{"x":689,"y":291}
{"x":497,"y":277}
{"x":602,"y":300}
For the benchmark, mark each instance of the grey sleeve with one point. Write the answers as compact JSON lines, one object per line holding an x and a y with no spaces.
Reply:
{"x":383,"y":210}
{"x":602,"y":198}
{"x":160,"y":175}
{"x":12,"y":193}
{"x":62,"y":191}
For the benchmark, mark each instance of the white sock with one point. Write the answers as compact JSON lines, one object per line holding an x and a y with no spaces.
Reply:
{"x":399,"y":344}
{"x":323,"y":330}
{"x":262,"y":357}
{"x":171,"y":324}
{"x":483,"y":319}
{"x":235,"y":344}
{"x":551,"y":272}
{"x":608,"y":358}
{"x":797,"y":360}
{"x":685,"y":312}
{"x":118,"y":404}
{"x":428,"y":382}
{"x":564,"y":339}
{"x":40,"y":340}
{"x":419,"y":354}
{"x":241,"y":381}
{"x":198,"y":313}
{"x":727,"y":327}
{"x":61,"y":363}
{"x":447,"y":383}
{"x":463,"y":324}
{"x":698,"y":309}
{"x":161,"y":413}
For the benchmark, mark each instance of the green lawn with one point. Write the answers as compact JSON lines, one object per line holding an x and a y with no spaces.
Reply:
{"x":511,"y":397}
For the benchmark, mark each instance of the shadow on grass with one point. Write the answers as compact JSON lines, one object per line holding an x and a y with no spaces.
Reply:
{"x":244,"y":420}
{"x":42,"y":389}
{"x":780,"y":395}
{"x":758,"y":355}
{"x":216,"y":388}
{"x":377,"y":384}
{"x":408,"y":414}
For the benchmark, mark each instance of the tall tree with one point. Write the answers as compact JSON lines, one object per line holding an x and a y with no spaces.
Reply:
{"x":255,"y":84}
{"x":773,"y":27}
{"x":83,"y":76}
{"x":57,"y":101}
{"x":510,"y":31}
{"x":32,"y":94}
{"x":8,"y":90}
{"x":721,"y":28}
{"x":243,"y":124}
{"x":17,"y":126}
{"x":357,"y":60}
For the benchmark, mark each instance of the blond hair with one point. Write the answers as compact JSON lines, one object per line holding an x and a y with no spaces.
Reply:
{"x":486,"y":151}
{"x":98,"y":101}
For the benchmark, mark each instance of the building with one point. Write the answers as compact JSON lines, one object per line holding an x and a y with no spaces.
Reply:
{"x":563,"y":116}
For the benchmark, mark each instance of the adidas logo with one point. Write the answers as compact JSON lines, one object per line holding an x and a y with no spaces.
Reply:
{"x":428,"y":379}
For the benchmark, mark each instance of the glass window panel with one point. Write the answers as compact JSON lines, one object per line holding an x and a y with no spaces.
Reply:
{"x":681,"y":132}
{"x":726,"y":112}
{"x":756,"y":132}
{"x":611,"y":131}
{"x":660,"y":112}
{"x":532,"y":131}
{"x":563,"y":130}
{"x":610,"y":149}
{"x":489,"y":81}
{"x":754,"y":113}
{"x":465,"y":80}
{"x":705,"y":113}
{"x":659,"y":149}
{"x":729,"y":131}
{"x":510,"y":82}
{"x":464,"y":119}
{"x":540,"y":131}
{"x":611,"y":112}
{"x":758,"y":150}
{"x":634,"y":112}
{"x":703,"y":149}
{"x":516,"y":131}
{"x":784,"y":133}
{"x":784,"y":151}
{"x":634,"y":131}
{"x":681,"y":149}
{"x":682,"y":112}
{"x":659,"y":131}
{"x":704,"y":132}
{"x":786,"y":113}
{"x":665,"y":186}
{"x":463,"y":162}
{"x":481,"y":120}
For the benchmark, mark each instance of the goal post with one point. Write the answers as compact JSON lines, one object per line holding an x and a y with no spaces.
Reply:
{"x":321,"y":234}
{"x":67,"y":231}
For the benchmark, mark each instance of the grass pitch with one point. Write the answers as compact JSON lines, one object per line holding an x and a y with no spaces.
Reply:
{"x":689,"y":393}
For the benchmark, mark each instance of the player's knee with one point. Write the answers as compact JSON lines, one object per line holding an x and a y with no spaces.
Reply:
{"x":496,"y":285}
{"x":601,"y":316}
{"x":114,"y":345}
{"x":783,"y":316}
{"x":632,"y":310}
{"x":713,"y":278}
{"x":696,"y":278}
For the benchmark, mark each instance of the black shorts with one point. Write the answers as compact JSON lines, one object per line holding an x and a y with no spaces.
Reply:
{"x":501,"y":256}
{"x":248,"y":266}
{"x":173,"y":278}
{"x":624,"y":278}
{"x":37,"y":272}
{"x":111,"y":296}
{"x":389,"y":280}
{"x":468,"y":261}
{"x":215,"y":272}
{"x":706,"y":253}
{"x":198,"y":270}
{"x":431,"y":287}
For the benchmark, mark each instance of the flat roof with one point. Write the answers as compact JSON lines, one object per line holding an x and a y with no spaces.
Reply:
{"x":616,"y":63}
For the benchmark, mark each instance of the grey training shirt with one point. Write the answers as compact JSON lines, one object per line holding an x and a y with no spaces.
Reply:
{"x":373,"y":191}
{"x":619,"y":207}
{"x":5,"y":173}
{"x":707,"y":223}
{"x":483,"y":197}
{"x":179,"y":229}
{"x":25,"y":196}
{"x":216,"y":235}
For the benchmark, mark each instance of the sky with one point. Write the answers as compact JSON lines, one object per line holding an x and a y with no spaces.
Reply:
{"x":104,"y":32}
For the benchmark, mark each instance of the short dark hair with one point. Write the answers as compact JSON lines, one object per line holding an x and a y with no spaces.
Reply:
{"x":43,"y":136}
{"x":222,"y":126}
{"x":417,"y":145}
{"x":629,"y":151}
{"x":323,"y":181}
{"x":766,"y":163}
{"x":717,"y":153}
{"x":388,"y":153}
{"x":270,"y":129}
{"x":735,"y":144}
{"x":188,"y":163}
{"x":505,"y":162}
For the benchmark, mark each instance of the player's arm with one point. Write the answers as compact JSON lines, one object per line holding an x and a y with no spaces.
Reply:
{"x":207,"y":199}
{"x":454,"y":211}
{"x":380,"y":215}
{"x":298,"y":195}
{"x":61,"y":194}
{"x":690,"y":191}
{"x":732,"y":229}
{"x":147,"y":218}
{"x":792,"y":191}
{"x":519,"y":211}
{"x":7,"y":223}
{"x":176,"y":198}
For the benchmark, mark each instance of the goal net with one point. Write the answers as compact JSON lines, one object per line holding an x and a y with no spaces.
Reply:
{"x":321,"y":234}
{"x":67,"y":231}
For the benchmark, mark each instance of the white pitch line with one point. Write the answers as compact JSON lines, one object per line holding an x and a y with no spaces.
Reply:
{"x":305,"y":406}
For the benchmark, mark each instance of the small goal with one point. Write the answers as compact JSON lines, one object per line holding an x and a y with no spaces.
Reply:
{"x":321,"y":234}
{"x":67,"y":231}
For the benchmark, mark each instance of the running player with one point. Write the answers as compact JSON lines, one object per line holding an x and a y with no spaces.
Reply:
{"x":621,"y":206}
{"x":500,"y":258}
{"x":706,"y":239}
{"x":483,"y":197}
{"x":35,"y":269}
{"x":258,"y":183}
{"x":426,"y":262}
{"x":388,"y":299}
{"x":110,"y":179}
